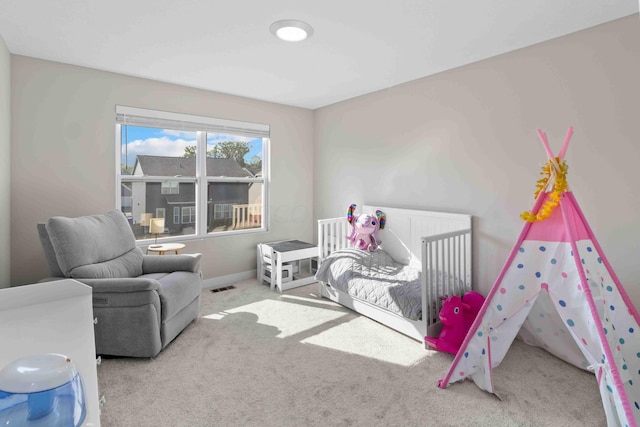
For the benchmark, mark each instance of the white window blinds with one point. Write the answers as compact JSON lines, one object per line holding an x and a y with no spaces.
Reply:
{"x":166,"y":120}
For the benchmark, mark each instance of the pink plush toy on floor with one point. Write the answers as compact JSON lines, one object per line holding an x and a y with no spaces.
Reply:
{"x":457,"y":316}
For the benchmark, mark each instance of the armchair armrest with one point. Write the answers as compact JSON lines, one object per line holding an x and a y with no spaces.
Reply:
{"x":171,"y":263}
{"x":121,"y":285}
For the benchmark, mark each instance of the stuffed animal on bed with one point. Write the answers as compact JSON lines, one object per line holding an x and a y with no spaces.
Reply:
{"x":364,"y":229}
{"x":457,"y":316}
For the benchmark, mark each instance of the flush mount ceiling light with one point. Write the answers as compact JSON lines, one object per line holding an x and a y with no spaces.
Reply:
{"x":291,"y":30}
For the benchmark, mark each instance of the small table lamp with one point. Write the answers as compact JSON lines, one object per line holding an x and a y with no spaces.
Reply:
{"x":144,"y":220}
{"x":156,"y":227}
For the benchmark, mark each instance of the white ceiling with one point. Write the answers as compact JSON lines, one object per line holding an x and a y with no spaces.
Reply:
{"x":359,"y":46}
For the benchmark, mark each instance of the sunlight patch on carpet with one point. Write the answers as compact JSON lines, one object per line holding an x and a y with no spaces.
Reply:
{"x":214,"y":316}
{"x":365,"y":337}
{"x":289,"y":318}
{"x":313,"y":301}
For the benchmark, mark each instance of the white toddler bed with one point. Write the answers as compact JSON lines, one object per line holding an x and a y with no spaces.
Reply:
{"x":389,"y":285}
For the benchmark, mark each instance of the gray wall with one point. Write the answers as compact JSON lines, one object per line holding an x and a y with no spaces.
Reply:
{"x":465,"y":141}
{"x":63,"y":157}
{"x":5,"y":166}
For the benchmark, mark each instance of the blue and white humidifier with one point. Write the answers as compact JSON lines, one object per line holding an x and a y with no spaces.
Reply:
{"x":41,"y":390}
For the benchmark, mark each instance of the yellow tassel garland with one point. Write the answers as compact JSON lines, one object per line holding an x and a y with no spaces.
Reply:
{"x":559,"y":186}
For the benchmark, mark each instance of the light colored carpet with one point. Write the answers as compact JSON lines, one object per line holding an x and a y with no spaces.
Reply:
{"x":259,"y":358}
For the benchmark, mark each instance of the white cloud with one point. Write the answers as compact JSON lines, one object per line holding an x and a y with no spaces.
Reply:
{"x":182,"y":134}
{"x":214,"y":138}
{"x":157,"y":147}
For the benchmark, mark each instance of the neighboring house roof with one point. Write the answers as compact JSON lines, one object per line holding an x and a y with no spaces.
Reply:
{"x":255,"y":171}
{"x":186,"y":166}
{"x":179,"y":199}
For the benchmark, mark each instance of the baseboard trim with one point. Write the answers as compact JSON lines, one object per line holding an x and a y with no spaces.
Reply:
{"x":223,"y":281}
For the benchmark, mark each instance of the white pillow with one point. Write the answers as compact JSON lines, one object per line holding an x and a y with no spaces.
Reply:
{"x":392,"y":245}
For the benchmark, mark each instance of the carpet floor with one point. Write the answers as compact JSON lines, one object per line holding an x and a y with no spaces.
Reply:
{"x":259,"y":358}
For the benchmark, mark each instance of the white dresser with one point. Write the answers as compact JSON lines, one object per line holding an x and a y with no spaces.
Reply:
{"x":52,"y":317}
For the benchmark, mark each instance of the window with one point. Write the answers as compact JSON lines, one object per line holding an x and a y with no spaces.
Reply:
{"x":222,"y":210}
{"x":188,"y":215}
{"x":170,"y":187}
{"x":209,"y":174}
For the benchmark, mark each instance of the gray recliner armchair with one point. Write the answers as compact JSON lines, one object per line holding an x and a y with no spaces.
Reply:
{"x":141,"y":302}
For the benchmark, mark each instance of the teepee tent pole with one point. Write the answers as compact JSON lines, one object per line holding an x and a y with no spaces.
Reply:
{"x":552,"y":159}
{"x":545,"y":143}
{"x":563,"y":150}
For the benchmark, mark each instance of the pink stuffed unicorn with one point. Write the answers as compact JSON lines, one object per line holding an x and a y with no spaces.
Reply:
{"x":457,"y":316}
{"x":364,"y":228}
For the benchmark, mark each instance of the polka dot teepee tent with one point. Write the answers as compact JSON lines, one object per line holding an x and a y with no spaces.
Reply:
{"x":558,"y":290}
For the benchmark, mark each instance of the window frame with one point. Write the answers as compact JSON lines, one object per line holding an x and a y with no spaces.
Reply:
{"x":209,"y":125}
{"x":176,"y":214}
{"x":170,"y":187}
{"x":192,"y":213}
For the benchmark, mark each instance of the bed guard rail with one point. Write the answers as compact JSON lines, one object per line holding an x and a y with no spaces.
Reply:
{"x":446,"y":270}
{"x":332,"y":236}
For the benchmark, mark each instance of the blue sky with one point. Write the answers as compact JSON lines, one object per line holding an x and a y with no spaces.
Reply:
{"x":164,"y":142}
